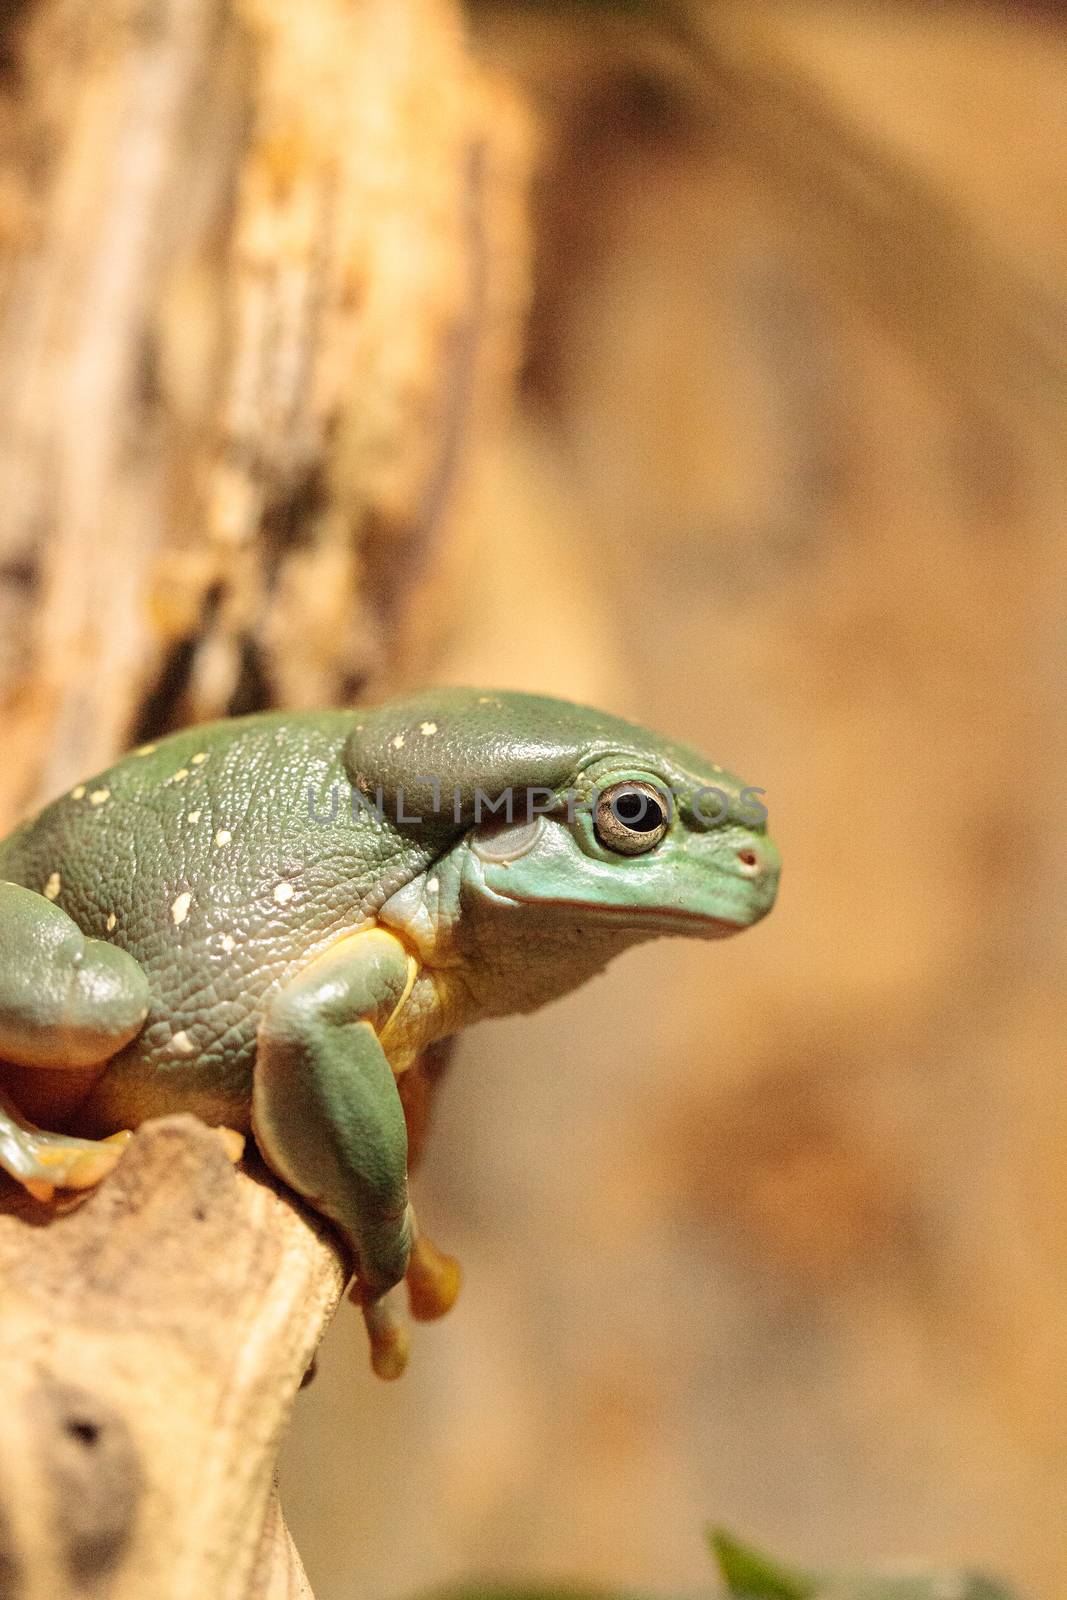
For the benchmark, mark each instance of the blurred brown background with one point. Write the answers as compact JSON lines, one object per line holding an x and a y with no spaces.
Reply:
{"x":773,"y":1233}
{"x":708,"y":365}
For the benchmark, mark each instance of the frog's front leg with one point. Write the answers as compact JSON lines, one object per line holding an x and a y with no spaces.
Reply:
{"x":327,"y":1114}
{"x":65,"y":1002}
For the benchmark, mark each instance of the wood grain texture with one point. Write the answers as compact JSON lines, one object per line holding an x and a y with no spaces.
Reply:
{"x":153,"y":1339}
{"x":262,"y":280}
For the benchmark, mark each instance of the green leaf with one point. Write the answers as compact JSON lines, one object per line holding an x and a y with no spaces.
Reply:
{"x":754,"y":1576}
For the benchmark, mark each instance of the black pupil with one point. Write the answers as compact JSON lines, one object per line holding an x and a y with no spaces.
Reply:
{"x":638,"y":811}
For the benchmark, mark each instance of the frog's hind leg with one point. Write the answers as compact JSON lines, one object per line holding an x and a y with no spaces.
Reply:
{"x":44,"y":1162}
{"x":66,"y":1002}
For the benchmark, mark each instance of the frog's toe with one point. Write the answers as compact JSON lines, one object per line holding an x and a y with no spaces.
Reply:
{"x":389,"y":1338}
{"x":232,"y":1142}
{"x":433,"y":1280}
{"x":92,"y":1160}
{"x":44,"y":1162}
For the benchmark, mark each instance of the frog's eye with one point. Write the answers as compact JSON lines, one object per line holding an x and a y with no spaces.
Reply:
{"x":631,"y":817}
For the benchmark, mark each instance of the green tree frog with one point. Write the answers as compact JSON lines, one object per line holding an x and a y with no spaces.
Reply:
{"x":266,"y":921}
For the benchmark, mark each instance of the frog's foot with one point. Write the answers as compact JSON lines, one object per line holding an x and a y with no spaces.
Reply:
{"x":44,"y":1162}
{"x":433,"y":1280}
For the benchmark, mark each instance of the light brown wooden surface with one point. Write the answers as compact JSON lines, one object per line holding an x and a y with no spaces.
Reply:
{"x":152,"y":1340}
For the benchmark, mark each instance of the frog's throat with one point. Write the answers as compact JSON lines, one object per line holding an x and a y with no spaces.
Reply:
{"x":424,"y":915}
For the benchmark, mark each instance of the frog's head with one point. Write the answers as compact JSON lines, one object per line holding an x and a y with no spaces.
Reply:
{"x":634,"y":838}
{"x":562,"y":824}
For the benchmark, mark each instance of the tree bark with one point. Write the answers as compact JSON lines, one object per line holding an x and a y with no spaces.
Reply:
{"x":262,"y":277}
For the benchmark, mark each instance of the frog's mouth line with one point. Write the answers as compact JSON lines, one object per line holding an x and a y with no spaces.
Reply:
{"x":666,"y":918}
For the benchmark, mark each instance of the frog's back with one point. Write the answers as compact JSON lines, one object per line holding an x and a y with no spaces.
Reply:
{"x":219,"y":858}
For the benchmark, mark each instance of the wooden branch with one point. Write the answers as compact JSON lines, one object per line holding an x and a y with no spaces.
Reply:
{"x":153,"y":1340}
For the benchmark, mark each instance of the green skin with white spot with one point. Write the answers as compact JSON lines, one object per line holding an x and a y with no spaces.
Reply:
{"x":190,"y":928}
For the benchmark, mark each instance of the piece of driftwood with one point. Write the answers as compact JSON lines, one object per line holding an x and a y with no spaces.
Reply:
{"x":153,"y":1338}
